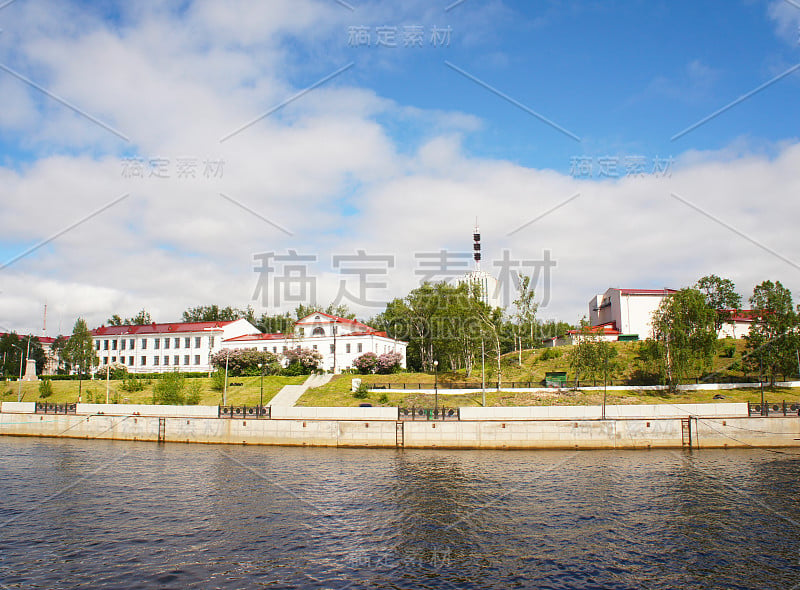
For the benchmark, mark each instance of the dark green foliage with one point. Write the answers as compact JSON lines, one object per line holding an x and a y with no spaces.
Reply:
{"x":45,"y":388}
{"x":362,"y":392}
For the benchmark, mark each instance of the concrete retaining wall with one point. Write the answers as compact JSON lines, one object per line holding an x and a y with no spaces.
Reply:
{"x":595,"y":412}
{"x":494,"y":434}
{"x":334,"y":413}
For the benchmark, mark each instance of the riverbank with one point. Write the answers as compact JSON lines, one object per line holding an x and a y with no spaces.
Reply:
{"x":579,"y":427}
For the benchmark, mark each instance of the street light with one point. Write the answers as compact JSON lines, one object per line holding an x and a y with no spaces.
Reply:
{"x":436,"y":384}
{"x":261,"y":402}
{"x":19,"y":381}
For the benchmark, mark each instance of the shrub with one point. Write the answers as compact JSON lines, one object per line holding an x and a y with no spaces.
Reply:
{"x":389,"y":363}
{"x":728,"y":351}
{"x":132,"y":384}
{"x":45,"y":388}
{"x":244,"y":361}
{"x":301,"y":361}
{"x":218,"y":380}
{"x":384,"y":398}
{"x":115,"y":371}
{"x":550,"y":353}
{"x":193,"y":393}
{"x":362,"y":392}
{"x":366,"y":363}
{"x":169,"y":389}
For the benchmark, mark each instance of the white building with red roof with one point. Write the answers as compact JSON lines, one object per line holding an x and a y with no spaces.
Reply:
{"x":154,"y":348}
{"x":188,"y":346}
{"x":628,"y":311}
{"x":339,"y":340}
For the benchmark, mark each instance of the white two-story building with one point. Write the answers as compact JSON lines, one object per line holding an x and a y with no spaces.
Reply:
{"x":188,"y":346}
{"x":340,"y":341}
{"x":154,"y":348}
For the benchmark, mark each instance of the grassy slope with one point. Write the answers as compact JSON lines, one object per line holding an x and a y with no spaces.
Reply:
{"x":67,"y":391}
{"x":533,"y":368}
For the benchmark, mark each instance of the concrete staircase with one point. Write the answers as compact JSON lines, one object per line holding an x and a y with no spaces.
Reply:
{"x":289,"y":394}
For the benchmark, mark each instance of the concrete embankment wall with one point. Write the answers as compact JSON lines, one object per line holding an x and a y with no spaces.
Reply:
{"x":630,"y":433}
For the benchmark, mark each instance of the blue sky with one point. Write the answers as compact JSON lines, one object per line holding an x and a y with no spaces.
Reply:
{"x":398,"y":153}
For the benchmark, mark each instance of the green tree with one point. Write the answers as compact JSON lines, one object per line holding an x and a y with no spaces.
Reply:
{"x":80,"y":352}
{"x":340,"y":310}
{"x":57,"y":350}
{"x":212,"y":313}
{"x":684,"y":328}
{"x":11,"y":353}
{"x":721,"y":296}
{"x":773,"y":339}
{"x":526,"y":313}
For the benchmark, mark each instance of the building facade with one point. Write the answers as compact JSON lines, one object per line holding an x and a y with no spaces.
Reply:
{"x":155,"y":348}
{"x":189,"y":346}
{"x":628,"y":311}
{"x":340,"y":341}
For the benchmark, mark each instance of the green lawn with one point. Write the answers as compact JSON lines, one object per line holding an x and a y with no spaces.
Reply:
{"x":67,"y":391}
{"x":337,"y":393}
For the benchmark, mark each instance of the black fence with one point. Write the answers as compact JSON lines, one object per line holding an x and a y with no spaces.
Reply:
{"x":45,"y":408}
{"x":244,"y":412}
{"x":424,"y":414}
{"x":773,"y":408}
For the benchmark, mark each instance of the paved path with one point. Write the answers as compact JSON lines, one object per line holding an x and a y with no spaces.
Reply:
{"x":289,"y":394}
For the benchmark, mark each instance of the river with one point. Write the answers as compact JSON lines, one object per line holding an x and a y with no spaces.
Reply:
{"x":110,"y":514}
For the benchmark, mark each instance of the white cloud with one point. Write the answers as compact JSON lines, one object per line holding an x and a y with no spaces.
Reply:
{"x":328,"y":169}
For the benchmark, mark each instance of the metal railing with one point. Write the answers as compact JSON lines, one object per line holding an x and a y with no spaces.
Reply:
{"x":773,"y":408}
{"x":425,"y":414}
{"x":45,"y":408}
{"x":244,"y":412}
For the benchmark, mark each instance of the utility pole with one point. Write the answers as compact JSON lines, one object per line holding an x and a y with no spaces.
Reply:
{"x":225,"y":388}
{"x":483,"y":373}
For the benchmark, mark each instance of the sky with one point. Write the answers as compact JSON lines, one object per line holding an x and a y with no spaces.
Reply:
{"x":164,"y":155}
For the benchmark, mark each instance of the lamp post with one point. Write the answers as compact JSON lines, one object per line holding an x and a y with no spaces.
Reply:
{"x":483,"y":373}
{"x":19,"y":380}
{"x":225,"y":387}
{"x":261,"y":399}
{"x":761,"y":380}
{"x":436,"y":385}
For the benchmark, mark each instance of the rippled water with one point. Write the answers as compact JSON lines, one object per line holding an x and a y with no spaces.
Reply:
{"x":101,"y":514}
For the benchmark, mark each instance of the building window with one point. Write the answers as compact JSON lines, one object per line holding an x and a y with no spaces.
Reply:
{"x":144,"y":361}
{"x":275,"y":349}
{"x":113,"y":345}
{"x":144,"y":343}
{"x":285,"y":348}
{"x":347,"y":347}
{"x":155,"y":360}
{"x":177,"y":343}
{"x":98,"y":345}
{"x":197,"y":341}
{"x":156,"y":343}
{"x":105,"y":360}
{"x":186,"y":359}
{"x":315,"y":347}
{"x":176,"y":360}
{"x":187,"y":343}
{"x":166,"y":342}
{"x":360,"y":347}
{"x":105,"y":344}
{"x":130,"y":361}
{"x":132,"y":344}
{"x":166,"y":359}
{"x":332,"y":349}
{"x":211,"y":342}
{"x":122,"y":344}
{"x":197,"y":359}
{"x":302,"y":331}
{"x":318,"y":331}
{"x":113,"y":359}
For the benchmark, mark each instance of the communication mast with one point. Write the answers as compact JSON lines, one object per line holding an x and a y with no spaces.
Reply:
{"x":476,"y":245}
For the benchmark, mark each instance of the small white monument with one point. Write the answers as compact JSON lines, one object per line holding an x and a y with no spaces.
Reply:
{"x":355,"y":384}
{"x":30,"y":371}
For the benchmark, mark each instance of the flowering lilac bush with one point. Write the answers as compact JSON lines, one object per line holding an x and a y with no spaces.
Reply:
{"x":389,"y":363}
{"x":301,"y":361}
{"x":366,"y":363}
{"x":244,"y":361}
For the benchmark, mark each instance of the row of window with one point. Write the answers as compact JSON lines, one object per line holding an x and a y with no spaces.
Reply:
{"x":176,"y":360}
{"x":130,"y":343}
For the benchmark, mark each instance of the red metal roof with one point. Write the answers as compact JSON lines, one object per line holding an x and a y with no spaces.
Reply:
{"x":173,"y":328}
{"x":336,"y":319}
{"x":258,"y":337}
